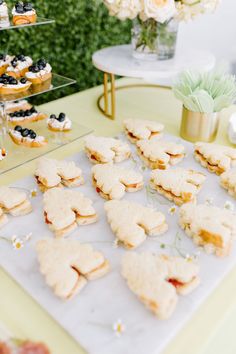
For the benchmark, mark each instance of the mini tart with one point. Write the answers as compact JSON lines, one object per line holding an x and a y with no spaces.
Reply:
{"x":9,"y":89}
{"x":39,"y":72}
{"x":132,"y":222}
{"x":112,"y":181}
{"x":4,"y":63}
{"x":209,"y":226}
{"x":23,"y":17}
{"x":3,"y":154}
{"x":228,"y":181}
{"x":216,"y":158}
{"x":60,"y":124}
{"x":18,"y":139}
{"x":21,"y":67}
{"x":34,"y":117}
{"x":160,"y":154}
{"x":157,"y":280}
{"x":52,"y":173}
{"x":64,"y":209}
{"x":17,"y":106}
{"x":105,"y":150}
{"x":138,"y":129}
{"x":178,"y":185}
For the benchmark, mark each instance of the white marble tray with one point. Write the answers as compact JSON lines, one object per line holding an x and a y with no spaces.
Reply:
{"x":89,"y":316}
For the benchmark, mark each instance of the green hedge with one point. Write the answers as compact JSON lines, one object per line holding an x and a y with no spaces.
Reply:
{"x":81,"y":27}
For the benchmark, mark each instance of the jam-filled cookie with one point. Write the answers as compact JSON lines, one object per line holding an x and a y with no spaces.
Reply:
{"x":60,"y":123}
{"x":10,"y":85}
{"x":19,"y":66}
{"x":26,"y":137}
{"x":23,"y":13}
{"x":39,"y":72}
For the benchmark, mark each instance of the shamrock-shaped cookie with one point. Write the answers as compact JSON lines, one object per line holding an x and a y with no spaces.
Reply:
{"x":228,"y":181}
{"x":138,"y":129}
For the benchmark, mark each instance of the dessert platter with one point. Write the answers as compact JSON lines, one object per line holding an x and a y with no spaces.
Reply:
{"x":24,"y":127}
{"x":119,"y":243}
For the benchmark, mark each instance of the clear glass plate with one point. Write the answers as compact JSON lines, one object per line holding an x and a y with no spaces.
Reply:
{"x":7,"y":24}
{"x":18,"y":155}
{"x":55,"y":83}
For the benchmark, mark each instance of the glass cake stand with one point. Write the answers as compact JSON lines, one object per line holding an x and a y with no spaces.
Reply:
{"x":6,"y":25}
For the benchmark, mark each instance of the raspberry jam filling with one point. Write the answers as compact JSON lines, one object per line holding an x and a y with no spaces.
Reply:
{"x":46,"y":218}
{"x":176,"y":283}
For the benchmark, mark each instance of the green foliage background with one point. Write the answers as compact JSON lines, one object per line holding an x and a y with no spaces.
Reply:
{"x":81,"y":28}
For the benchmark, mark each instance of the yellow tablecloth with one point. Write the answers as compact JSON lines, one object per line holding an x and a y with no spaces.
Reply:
{"x":211,"y":330}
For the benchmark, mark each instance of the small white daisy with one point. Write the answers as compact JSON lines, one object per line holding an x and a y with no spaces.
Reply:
{"x":33,"y":192}
{"x":172,"y":210}
{"x":17,"y":243}
{"x":118,"y":328}
{"x":229,"y":205}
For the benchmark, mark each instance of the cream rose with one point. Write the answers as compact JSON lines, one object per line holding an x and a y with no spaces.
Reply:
{"x":159,"y":10}
{"x":123,"y":9}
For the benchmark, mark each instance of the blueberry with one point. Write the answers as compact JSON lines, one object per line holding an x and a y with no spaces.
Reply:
{"x":1,"y":80}
{"x":53,"y":116}
{"x":23,"y":80}
{"x":28,"y":6}
{"x":12,"y":81}
{"x":42,"y":62}
{"x":4,"y":76}
{"x":19,"y":8}
{"x":32,"y":134}
{"x":61,"y":117}
{"x":3,"y":56}
{"x":33,"y":110}
{"x":11,"y":115}
{"x":14,"y":64}
{"x":25,"y":132}
{"x":28,"y":113}
{"x":34,"y":68}
{"x":1,"y":2}
{"x":4,"y":82}
{"x":41,"y":67}
{"x":21,"y":57}
{"x":18,"y":128}
{"x":18,"y":114}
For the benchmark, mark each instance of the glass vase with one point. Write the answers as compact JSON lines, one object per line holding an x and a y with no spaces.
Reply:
{"x":166,"y":39}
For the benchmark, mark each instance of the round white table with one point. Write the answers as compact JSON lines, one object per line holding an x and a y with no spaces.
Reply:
{"x":118,"y":60}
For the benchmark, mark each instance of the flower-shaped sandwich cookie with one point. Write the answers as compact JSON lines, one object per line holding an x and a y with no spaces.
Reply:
{"x":10,"y":85}
{"x":132,"y":222}
{"x":13,"y":202}
{"x":158,"y":279}
{"x":104,"y":150}
{"x":160,"y":154}
{"x":216,"y":158}
{"x":18,"y":66}
{"x":68,"y":265}
{"x":53,"y":173}
{"x":39,"y":72}
{"x":23,"y":13}
{"x":62,"y":123}
{"x":228,"y":181}
{"x":209,"y":226}
{"x":138,"y":129}
{"x":112,"y":181}
{"x":64,"y":209}
{"x":178,"y":185}
{"x":3,"y":154}
{"x":26,"y":137}
{"x":25,"y":116}
{"x":4,"y":62}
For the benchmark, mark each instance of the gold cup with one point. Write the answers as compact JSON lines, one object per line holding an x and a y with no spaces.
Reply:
{"x":197,"y":126}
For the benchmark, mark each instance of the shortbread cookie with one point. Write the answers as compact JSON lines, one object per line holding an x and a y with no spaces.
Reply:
{"x":132,"y":222}
{"x":3,"y":218}
{"x":209,"y":226}
{"x":178,"y":185}
{"x":112,"y":181}
{"x":68,"y":265}
{"x":138,"y":129}
{"x":64,"y":209}
{"x":14,"y":201}
{"x":216,"y":158}
{"x":53,"y":173}
{"x":158,"y":279}
{"x":228,"y":181}
{"x":159,"y":154}
{"x":104,"y":150}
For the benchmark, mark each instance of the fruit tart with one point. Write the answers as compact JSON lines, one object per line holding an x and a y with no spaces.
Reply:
{"x":39,"y":72}
{"x":10,"y":85}
{"x":19,"y":66}
{"x":26,"y":137}
{"x":4,"y":62}
{"x":25,"y":116}
{"x":17,"y":105}
{"x":59,"y":124}
{"x":23,"y":13}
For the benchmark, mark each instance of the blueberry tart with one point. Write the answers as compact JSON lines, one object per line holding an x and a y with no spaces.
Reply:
{"x":23,"y":13}
{"x":25,"y":116}
{"x":26,"y":137}
{"x":19,"y":65}
{"x":17,"y":106}
{"x":5,"y":61}
{"x":39,"y":72}
{"x":10,"y":85}
{"x":59,"y":124}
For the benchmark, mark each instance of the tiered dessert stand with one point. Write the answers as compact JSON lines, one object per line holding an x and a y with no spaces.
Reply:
{"x":18,"y":155}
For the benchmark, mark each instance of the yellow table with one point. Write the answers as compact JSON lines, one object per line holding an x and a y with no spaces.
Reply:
{"x":211,"y":329}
